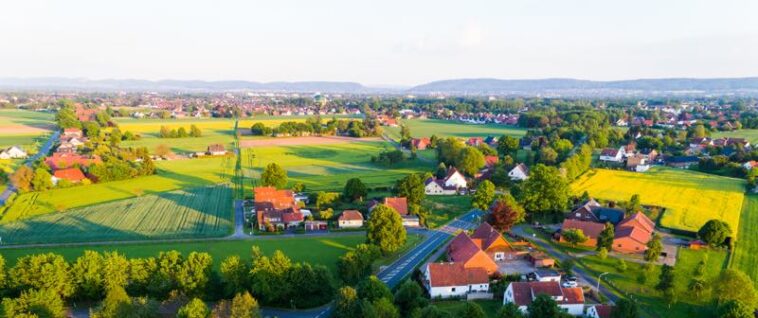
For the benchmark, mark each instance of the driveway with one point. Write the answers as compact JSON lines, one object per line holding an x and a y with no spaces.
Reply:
{"x":517,"y":266}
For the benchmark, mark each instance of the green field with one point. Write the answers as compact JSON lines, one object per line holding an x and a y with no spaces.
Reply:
{"x":749,"y":134}
{"x":199,"y":212}
{"x":215,"y":131}
{"x":329,"y":166}
{"x":690,"y":198}
{"x":650,"y":300}
{"x":745,"y":255}
{"x":447,"y":128}
{"x":172,"y":175}
{"x":25,"y":118}
{"x":24,"y":128}
{"x":444,"y":208}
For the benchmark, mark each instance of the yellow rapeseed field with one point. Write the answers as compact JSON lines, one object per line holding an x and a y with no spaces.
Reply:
{"x":690,"y":198}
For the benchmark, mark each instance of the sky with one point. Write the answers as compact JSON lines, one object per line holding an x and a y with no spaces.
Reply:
{"x":393,"y":43}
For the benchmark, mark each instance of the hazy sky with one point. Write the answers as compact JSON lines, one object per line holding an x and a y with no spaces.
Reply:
{"x":378,"y":42}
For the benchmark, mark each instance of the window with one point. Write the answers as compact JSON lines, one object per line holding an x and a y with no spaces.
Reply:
{"x":452,"y":289}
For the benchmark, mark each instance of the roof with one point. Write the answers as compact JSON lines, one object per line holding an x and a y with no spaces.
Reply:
{"x":70,"y":174}
{"x":610,"y":152}
{"x":455,"y":274}
{"x":398,"y":203}
{"x":440,"y":183}
{"x":351,"y":215}
{"x":637,"y":227}
{"x":490,"y":160}
{"x":683,"y":159}
{"x":216,"y":148}
{"x":462,"y":248}
{"x":638,"y":220}
{"x":603,"y":311}
{"x":66,"y":160}
{"x":269,"y":198}
{"x":590,"y":229}
{"x":524,"y":169}
{"x":604,"y":214}
{"x":487,"y":236}
{"x":524,"y":292}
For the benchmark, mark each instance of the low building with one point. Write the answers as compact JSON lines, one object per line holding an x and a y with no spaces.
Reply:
{"x":522,"y":294}
{"x":411,"y":221}
{"x":316,"y":226}
{"x":682,"y":162}
{"x":73,"y":175}
{"x":400,"y":204}
{"x":434,"y":186}
{"x":612,"y":155}
{"x":592,"y":211}
{"x":547,"y":275}
{"x":633,"y":233}
{"x":464,"y":250}
{"x":67,"y":160}
{"x":13,"y":152}
{"x":519,"y":173}
{"x":447,"y":280}
{"x":590,"y":229}
{"x":541,"y":260}
{"x":420,"y":143}
{"x":276,"y":209}
{"x":350,"y":219}
{"x":216,"y":150}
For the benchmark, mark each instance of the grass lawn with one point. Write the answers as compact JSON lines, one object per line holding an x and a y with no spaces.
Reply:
{"x":650,"y":300}
{"x":454,"y":307}
{"x":690,"y":198}
{"x":327,"y":167}
{"x":750,"y":134}
{"x":198,"y":212}
{"x":445,"y":207}
{"x":745,"y":255}
{"x":172,"y":175}
{"x":215,"y":131}
{"x":449,"y":128}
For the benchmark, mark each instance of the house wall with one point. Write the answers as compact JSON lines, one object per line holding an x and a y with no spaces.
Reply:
{"x":481,"y":259}
{"x":350,"y":224}
{"x":628,"y":245}
{"x":456,"y":180}
{"x":574,"y":310}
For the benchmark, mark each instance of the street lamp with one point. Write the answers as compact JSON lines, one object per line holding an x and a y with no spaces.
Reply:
{"x":598,"y":282}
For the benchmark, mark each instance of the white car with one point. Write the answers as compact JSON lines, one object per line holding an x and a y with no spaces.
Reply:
{"x":569,"y":284}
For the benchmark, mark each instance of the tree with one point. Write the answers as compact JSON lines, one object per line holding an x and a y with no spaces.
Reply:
{"x":506,"y":212}
{"x":471,"y":310}
{"x":733,"y":284}
{"x":441,"y":172}
{"x":34,"y":303}
{"x":483,"y":196}
{"x":409,"y":297}
{"x":543,"y":307}
{"x":385,"y":229}
{"x":735,"y":309}
{"x":115,"y":137}
{"x":245,"y":306}
{"x":654,"y":248}
{"x":355,"y":190}
{"x":42,"y":271}
{"x":548,"y":156}
{"x":605,"y":238}
{"x":470,"y":160}
{"x":162,"y":150}
{"x":714,"y":232}
{"x":274,"y":176}
{"x":87,"y":273}
{"x":509,"y":310}
{"x":356,"y":264}
{"x":625,"y":308}
{"x":195,"y":273}
{"x":545,"y":190}
{"x":234,"y":275}
{"x":602,"y":253}
{"x":326,"y":214}
{"x":412,"y":188}
{"x":66,"y":118}
{"x":182,"y":133}
{"x":165,"y":132}
{"x":22,"y":178}
{"x":195,"y":131}
{"x":634,"y":204}
{"x":42,"y":179}
{"x":347,"y":304}
{"x":666,"y":279}
{"x":507,"y":145}
{"x":384,"y":308}
{"x":91,"y":129}
{"x":372,"y":289}
{"x":574,"y":236}
{"x":196,"y":308}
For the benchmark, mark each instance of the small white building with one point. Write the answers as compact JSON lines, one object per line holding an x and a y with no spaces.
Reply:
{"x":522,"y":294}
{"x":519,"y":173}
{"x":13,"y":152}
{"x":411,"y":221}
{"x":446,"y":280}
{"x":547,"y":275}
{"x":350,"y":219}
{"x":613,"y":155}
{"x":437,"y":187}
{"x":455,"y":179}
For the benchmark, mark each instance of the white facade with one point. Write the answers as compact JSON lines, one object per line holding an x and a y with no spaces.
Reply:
{"x":411,"y":221}
{"x":517,"y":174}
{"x":13,"y":152}
{"x":350,"y":223}
{"x":456,"y":180}
{"x":571,"y":309}
{"x":433,"y":188}
{"x":452,"y":291}
{"x":618,"y":158}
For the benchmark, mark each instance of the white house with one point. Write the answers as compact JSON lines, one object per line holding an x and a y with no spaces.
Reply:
{"x":455,"y":179}
{"x":13,"y":152}
{"x":519,"y":172}
{"x":437,"y":187}
{"x":599,"y":311}
{"x":522,"y":294}
{"x":446,"y":280}
{"x":350,"y":219}
{"x":547,"y":275}
{"x":613,"y":155}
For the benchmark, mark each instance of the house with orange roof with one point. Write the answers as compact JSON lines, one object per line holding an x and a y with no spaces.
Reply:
{"x":600,"y":311}
{"x":400,"y":204}
{"x":276,"y":209}
{"x":633,"y":233}
{"x":73,"y":175}
{"x":67,"y":160}
{"x":420,"y":143}
{"x":464,"y":250}
{"x":590,"y":229}
{"x":446,"y":280}
{"x":522,"y":294}
{"x":493,"y":244}
{"x":490,"y":161}
{"x":350,"y":219}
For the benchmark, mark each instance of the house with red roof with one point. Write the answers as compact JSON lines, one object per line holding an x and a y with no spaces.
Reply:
{"x":464,"y":250}
{"x":400,"y":204}
{"x":490,"y":161}
{"x":493,"y":244}
{"x":67,"y":160}
{"x":522,"y":294}
{"x":600,"y":311}
{"x":350,"y":219}
{"x":73,"y":175}
{"x":633,"y":233}
{"x":420,"y":143}
{"x":446,"y":280}
{"x":590,"y":229}
{"x":276,"y":209}
{"x":475,"y":141}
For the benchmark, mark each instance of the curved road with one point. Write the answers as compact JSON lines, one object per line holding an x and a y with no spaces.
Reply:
{"x":42,"y":152}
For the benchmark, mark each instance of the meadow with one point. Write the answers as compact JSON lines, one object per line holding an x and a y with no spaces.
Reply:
{"x":24,"y":128}
{"x":444,"y":208}
{"x":690,"y":198}
{"x":171,"y":175}
{"x":447,"y":128}
{"x":745,"y":256}
{"x":749,"y":134}
{"x":215,"y":131}
{"x":327,"y":167}
{"x":199,"y":212}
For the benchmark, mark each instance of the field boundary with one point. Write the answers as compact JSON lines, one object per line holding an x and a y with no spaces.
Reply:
{"x":303,"y":141}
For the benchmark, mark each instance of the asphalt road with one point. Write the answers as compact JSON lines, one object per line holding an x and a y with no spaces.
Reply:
{"x":42,"y":152}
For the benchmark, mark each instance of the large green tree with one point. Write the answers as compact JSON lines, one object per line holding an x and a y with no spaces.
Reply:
{"x":412,"y":188}
{"x":355,"y":190}
{"x":470,"y":160}
{"x":733,"y":284}
{"x":507,"y":145}
{"x":714,"y":232}
{"x":483,"y":196}
{"x":545,"y":190}
{"x":625,"y":308}
{"x":654,"y":248}
{"x":274,"y":176}
{"x":245,"y":306}
{"x":735,"y":309}
{"x":605,"y":238}
{"x":196,"y":308}
{"x":385,"y":229}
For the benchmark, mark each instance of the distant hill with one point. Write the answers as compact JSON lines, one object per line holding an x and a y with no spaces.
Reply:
{"x":565,"y":86}
{"x":58,"y":83}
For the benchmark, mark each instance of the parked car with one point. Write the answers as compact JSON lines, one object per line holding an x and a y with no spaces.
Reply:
{"x":570,"y":282}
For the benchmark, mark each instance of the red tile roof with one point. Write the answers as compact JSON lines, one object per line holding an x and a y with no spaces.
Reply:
{"x":351,"y":215}
{"x":490,"y":160}
{"x":67,"y":160}
{"x":455,"y":274}
{"x":462,"y":248}
{"x":70,"y":174}
{"x":604,"y":311}
{"x":638,"y":220}
{"x":524,"y":292}
{"x":488,"y":235}
{"x":399,"y":204}
{"x":637,"y":227}
{"x":590,"y":229}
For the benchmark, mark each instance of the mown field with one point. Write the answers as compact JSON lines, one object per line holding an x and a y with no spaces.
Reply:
{"x":329,"y":166}
{"x":745,"y":256}
{"x":446,"y":128}
{"x":444,"y":208}
{"x":749,"y":134}
{"x":215,"y":131}
{"x":172,"y":175}
{"x":198,"y":212}
{"x":690,"y":198}
{"x":23,"y":128}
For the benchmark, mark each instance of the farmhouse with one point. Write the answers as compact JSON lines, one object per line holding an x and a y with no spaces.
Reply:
{"x":523,"y":293}
{"x":399,"y":204}
{"x":519,"y":172}
{"x":276,"y":208}
{"x":590,"y":229}
{"x":73,"y":175}
{"x":637,"y":163}
{"x":446,"y":280}
{"x":490,"y":161}
{"x":633,"y":234}
{"x":613,"y":155}
{"x":216,"y":150}
{"x":591,"y":211}
{"x":455,"y":179}
{"x":434,"y":186}
{"x":420,"y":143}
{"x":13,"y":152}
{"x":482,"y":249}
{"x":350,"y":219}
